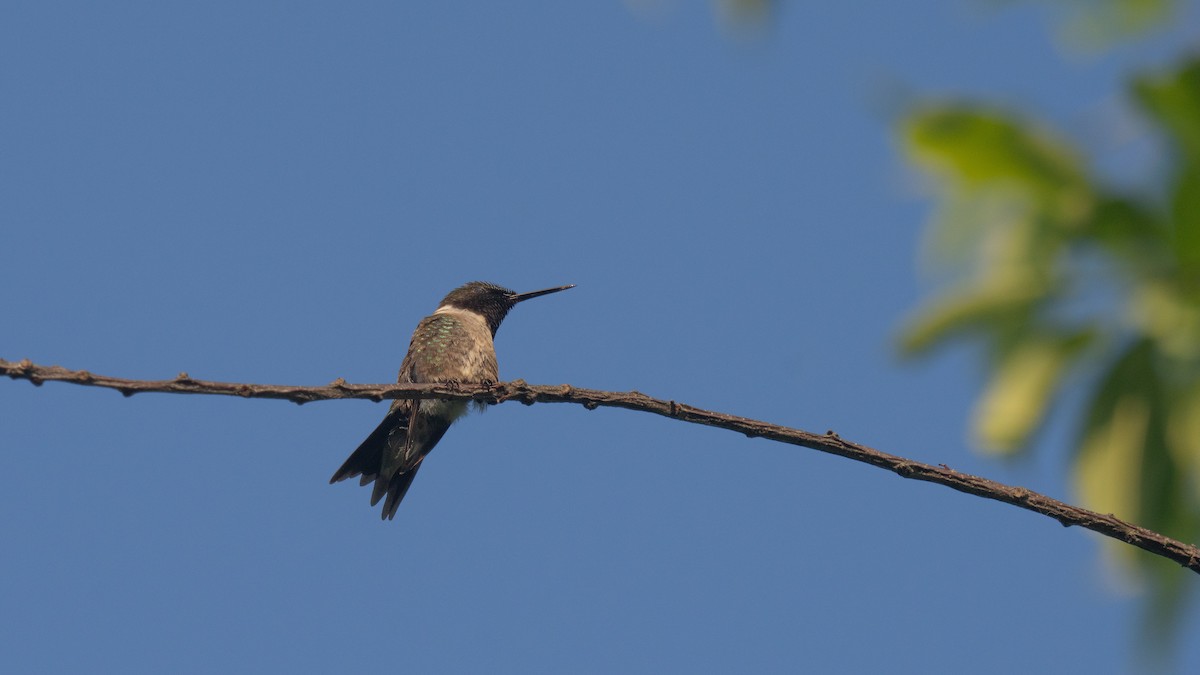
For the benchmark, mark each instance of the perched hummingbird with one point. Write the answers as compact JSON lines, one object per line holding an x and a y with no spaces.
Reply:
{"x":454,"y":344}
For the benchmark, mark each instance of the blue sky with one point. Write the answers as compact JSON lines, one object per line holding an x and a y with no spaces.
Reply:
{"x":278,"y":192}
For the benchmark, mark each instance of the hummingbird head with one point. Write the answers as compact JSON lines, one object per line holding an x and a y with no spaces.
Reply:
{"x":490,"y":301}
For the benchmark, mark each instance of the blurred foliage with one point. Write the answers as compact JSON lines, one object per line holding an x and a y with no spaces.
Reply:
{"x":754,"y":11}
{"x":1064,"y":278}
{"x":734,"y":14}
{"x":1097,"y":23}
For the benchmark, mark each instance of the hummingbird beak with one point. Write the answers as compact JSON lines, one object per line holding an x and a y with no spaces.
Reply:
{"x":521,"y":297}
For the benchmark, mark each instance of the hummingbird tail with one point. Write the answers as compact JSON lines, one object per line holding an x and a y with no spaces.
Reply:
{"x":381,"y":458}
{"x":367,"y":459}
{"x":397,"y":487}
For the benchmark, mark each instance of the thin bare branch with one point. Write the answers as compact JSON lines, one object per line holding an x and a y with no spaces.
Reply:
{"x":1186,"y":555}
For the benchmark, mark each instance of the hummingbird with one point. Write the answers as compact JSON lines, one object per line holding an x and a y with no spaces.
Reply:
{"x":454,"y":344}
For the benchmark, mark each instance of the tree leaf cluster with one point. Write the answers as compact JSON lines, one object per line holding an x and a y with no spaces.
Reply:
{"x":1067,"y":280}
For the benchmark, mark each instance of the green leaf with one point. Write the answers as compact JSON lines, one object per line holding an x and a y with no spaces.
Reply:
{"x":1109,"y":461}
{"x":1043,"y":256}
{"x":1161,"y":310}
{"x":1128,"y":462}
{"x":1185,"y":212}
{"x":1132,"y":233}
{"x":1014,"y":196}
{"x":976,"y":146}
{"x":1097,"y":23}
{"x":1022,"y":387}
{"x":978,"y":307}
{"x":1183,"y":433}
{"x":1172,"y":99}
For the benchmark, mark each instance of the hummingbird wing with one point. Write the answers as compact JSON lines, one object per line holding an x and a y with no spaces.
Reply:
{"x":405,"y":443}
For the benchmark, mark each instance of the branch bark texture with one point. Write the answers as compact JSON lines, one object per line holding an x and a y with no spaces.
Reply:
{"x":1186,"y":555}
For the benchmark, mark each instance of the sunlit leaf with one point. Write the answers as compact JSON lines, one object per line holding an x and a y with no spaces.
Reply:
{"x":1160,"y":311}
{"x":977,"y":146}
{"x":1183,"y":433}
{"x":1109,"y":462}
{"x":1109,"y":456}
{"x":962,"y":311}
{"x":1166,"y":506}
{"x":1021,"y":389}
{"x":1013,"y":196}
{"x":1041,"y":252}
{"x":1127,"y":466}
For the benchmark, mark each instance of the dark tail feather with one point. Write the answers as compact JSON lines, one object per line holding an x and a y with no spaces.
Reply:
{"x":367,"y":459}
{"x":401,"y":464}
{"x":390,"y":458}
{"x":396,"y":489}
